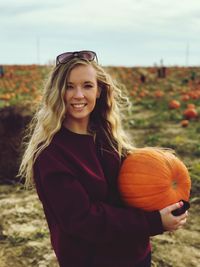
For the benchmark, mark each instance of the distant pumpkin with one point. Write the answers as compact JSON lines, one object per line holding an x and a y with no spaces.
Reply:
{"x":151,"y":179}
{"x":174,"y":104}
{"x":190,"y":113}
{"x":184,"y":123}
{"x":158,"y":94}
{"x":185,"y":97}
{"x":191,"y":105}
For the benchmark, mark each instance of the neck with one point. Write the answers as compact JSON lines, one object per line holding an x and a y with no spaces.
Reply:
{"x":79,"y":127}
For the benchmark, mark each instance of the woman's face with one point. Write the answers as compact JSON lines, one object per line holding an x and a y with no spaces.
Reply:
{"x":81,"y":94}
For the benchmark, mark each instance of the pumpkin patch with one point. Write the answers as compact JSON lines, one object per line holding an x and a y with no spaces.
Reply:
{"x":152,"y":179}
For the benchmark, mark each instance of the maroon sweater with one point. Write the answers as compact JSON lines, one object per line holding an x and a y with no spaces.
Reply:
{"x":76,"y":180}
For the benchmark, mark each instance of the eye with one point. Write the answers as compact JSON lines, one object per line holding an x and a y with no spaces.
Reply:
{"x":88,"y":85}
{"x":69,"y":87}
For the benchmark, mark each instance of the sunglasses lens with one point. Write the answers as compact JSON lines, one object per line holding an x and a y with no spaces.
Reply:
{"x":88,"y":55}
{"x":64,"y":57}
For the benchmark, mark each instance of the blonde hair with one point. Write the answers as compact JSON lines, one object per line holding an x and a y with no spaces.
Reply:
{"x":49,"y":117}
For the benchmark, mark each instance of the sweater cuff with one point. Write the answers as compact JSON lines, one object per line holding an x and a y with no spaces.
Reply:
{"x":155,"y":223}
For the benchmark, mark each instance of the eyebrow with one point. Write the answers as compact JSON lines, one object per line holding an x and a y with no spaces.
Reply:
{"x":71,"y":83}
{"x":89,"y":82}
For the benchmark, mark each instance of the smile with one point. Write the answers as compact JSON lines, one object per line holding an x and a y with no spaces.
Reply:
{"x":81,"y":105}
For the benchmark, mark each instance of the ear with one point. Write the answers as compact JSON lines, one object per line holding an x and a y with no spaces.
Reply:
{"x":99,"y":92}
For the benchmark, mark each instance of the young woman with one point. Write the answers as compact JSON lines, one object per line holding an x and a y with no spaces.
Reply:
{"x":74,"y":156}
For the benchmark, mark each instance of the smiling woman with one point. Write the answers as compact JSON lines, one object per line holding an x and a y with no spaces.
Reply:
{"x":73,"y":158}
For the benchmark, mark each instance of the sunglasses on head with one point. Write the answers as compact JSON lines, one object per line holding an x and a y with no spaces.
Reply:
{"x":67,"y":56}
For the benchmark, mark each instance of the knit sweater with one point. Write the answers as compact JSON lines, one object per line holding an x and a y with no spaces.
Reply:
{"x":76,"y":181}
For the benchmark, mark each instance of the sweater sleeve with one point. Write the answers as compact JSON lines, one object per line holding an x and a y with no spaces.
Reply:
{"x":77,"y":215}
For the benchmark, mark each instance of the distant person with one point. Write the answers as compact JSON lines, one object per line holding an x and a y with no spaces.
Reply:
{"x":1,"y":71}
{"x":74,"y":156}
{"x":142,"y":78}
{"x":162,"y":70}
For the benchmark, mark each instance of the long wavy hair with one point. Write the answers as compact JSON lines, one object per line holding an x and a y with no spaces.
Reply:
{"x":47,"y":121}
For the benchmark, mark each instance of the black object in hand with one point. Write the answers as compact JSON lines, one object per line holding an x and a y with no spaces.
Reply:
{"x":181,"y":210}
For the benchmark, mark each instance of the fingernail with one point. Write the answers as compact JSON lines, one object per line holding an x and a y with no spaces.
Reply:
{"x":180,"y":203}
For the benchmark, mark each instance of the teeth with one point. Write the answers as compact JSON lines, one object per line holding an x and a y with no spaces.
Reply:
{"x":78,"y":105}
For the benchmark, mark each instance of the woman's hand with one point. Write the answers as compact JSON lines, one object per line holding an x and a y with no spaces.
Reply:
{"x":171,"y":222}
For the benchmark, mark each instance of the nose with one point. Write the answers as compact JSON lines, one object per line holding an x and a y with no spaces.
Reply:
{"x":78,"y":93}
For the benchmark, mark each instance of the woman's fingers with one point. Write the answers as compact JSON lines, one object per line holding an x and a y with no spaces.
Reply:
{"x":176,"y":206}
{"x":171,"y":222}
{"x":172,"y":207}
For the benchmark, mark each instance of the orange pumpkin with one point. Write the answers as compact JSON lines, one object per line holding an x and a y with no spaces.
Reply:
{"x":191,"y":105}
{"x":184,"y":123}
{"x":174,"y":104}
{"x":158,"y":94}
{"x":185,"y":97}
{"x":190,"y":113}
{"x":152,"y":179}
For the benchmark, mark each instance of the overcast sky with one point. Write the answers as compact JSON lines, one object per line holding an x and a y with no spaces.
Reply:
{"x":122,"y":32}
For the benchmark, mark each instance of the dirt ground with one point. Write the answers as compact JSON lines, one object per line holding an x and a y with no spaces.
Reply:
{"x":24,"y":238}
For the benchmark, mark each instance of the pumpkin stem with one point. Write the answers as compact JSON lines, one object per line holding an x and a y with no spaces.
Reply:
{"x":174,"y":184}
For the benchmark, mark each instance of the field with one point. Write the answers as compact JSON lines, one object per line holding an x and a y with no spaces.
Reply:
{"x":165,"y":111}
